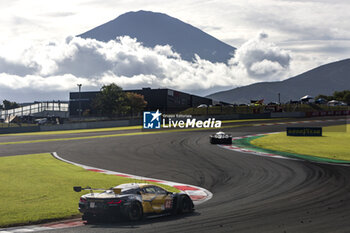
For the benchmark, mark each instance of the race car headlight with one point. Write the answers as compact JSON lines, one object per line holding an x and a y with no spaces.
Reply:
{"x":83,"y":200}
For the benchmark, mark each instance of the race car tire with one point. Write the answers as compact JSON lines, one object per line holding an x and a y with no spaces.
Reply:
{"x":135,"y":211}
{"x":89,"y":218}
{"x":185,"y":205}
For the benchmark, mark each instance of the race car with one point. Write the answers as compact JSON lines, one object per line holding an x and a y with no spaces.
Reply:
{"x":220,"y":138}
{"x":131,"y":201}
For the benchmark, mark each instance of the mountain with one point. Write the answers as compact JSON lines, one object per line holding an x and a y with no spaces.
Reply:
{"x":322,"y":80}
{"x":160,"y":29}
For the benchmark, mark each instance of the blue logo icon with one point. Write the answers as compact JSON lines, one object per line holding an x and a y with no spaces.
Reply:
{"x":151,"y":120}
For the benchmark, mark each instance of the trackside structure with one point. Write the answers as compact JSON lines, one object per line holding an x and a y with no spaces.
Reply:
{"x":38,"y":109}
{"x":164,"y":99}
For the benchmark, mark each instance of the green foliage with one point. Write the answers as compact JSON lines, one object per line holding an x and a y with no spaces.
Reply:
{"x":346,"y":98}
{"x":135,"y":102}
{"x":9,"y":105}
{"x":339,"y":95}
{"x":343,"y":96}
{"x":326,"y":97}
{"x":111,"y":101}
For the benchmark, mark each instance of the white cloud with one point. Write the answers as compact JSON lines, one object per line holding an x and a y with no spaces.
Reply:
{"x":316,"y":31}
{"x":59,"y":66}
{"x":265,"y":67}
{"x":262,"y":60}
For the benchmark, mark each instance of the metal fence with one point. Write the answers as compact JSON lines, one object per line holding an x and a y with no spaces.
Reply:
{"x":39,"y":109}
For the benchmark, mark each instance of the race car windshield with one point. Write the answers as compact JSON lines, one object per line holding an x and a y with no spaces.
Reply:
{"x":130,"y":191}
{"x":220,"y":133}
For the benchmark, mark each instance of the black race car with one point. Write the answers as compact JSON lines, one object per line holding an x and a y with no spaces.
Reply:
{"x":132,"y":201}
{"x":220,"y":138}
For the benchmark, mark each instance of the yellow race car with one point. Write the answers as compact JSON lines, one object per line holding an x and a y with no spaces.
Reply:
{"x":131,"y":201}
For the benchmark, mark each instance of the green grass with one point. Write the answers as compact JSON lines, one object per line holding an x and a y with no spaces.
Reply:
{"x":334,"y":144}
{"x":35,"y":188}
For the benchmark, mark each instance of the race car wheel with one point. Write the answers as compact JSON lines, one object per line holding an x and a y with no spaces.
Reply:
{"x":135,"y":211}
{"x":185,"y":205}
{"x":89,"y":218}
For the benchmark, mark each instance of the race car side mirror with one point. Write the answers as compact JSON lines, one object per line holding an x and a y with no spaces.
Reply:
{"x":77,"y":188}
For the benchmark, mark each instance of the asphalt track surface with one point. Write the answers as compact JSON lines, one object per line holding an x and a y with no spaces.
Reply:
{"x":251,"y":193}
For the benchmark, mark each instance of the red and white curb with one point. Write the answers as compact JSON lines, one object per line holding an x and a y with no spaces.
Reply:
{"x":249,"y":151}
{"x":197,"y":194}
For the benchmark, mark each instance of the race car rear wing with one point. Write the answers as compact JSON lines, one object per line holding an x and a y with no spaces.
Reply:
{"x":79,"y":189}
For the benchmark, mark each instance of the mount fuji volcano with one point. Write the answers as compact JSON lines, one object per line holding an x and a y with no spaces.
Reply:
{"x":153,"y":29}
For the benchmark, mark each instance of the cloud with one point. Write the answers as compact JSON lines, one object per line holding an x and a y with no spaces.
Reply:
{"x":262,"y":60}
{"x":60,"y":14}
{"x":15,"y":68}
{"x":59,"y":66}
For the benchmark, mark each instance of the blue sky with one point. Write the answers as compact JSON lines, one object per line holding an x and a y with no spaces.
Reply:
{"x":311,"y":33}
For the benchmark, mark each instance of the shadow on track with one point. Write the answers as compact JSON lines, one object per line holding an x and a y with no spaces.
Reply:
{"x":123,"y":224}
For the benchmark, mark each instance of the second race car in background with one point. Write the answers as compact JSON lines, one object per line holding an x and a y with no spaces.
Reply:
{"x":221,"y":138}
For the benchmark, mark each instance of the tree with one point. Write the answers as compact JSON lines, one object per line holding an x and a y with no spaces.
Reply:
{"x":111,"y":101}
{"x":347,"y":98}
{"x":135,"y":102}
{"x":343,"y":96}
{"x":339,"y":95}
{"x":328,"y":98}
{"x":9,"y":105}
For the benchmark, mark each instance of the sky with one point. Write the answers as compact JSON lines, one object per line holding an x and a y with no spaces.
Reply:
{"x":41,"y":59}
